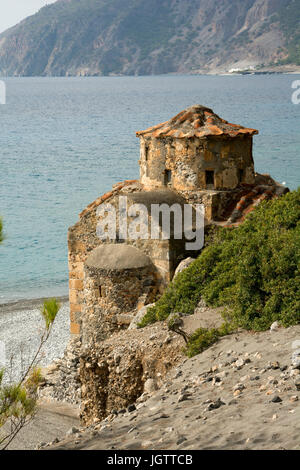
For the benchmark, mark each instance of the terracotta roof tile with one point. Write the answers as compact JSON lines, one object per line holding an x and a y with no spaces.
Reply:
{"x":196,"y":121}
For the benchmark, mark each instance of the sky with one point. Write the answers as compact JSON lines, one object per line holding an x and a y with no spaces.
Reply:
{"x":13,"y":11}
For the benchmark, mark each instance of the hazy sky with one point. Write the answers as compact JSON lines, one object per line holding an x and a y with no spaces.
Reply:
{"x":13,"y":11}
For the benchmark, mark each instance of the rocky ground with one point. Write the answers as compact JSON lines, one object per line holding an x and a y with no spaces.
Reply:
{"x":242,"y":393}
{"x":21,"y":326}
{"x":52,"y":422}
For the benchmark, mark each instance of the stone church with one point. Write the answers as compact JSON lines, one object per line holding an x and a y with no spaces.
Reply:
{"x":194,"y":158}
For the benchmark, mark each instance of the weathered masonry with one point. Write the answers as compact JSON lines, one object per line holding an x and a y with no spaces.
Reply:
{"x":194,"y":158}
{"x":196,"y":150}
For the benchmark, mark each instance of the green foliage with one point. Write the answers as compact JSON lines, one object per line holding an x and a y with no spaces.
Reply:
{"x":252,"y":270}
{"x":202,"y":338}
{"x":18,"y":402}
{"x":49,"y":311}
{"x":173,"y":322}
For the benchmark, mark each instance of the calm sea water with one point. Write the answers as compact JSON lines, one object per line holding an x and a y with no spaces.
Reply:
{"x":64,"y":141}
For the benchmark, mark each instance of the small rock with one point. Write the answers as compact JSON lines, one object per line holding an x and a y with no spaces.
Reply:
{"x":294,"y":398}
{"x":131,"y":408}
{"x":274,"y":326}
{"x":276,"y":399}
{"x":183,"y":397}
{"x":181,"y":440}
{"x":215,"y":405}
{"x":275,"y":365}
{"x":294,"y":373}
{"x":297,"y":384}
{"x":239,"y":387}
{"x":239,"y":363}
{"x":72,"y":430}
{"x":183,"y":265}
{"x":150,"y":386}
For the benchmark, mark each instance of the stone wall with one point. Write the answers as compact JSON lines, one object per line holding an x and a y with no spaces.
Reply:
{"x":126,"y":366}
{"x":182,"y":164}
{"x":83,"y":239}
{"x":112,"y":296}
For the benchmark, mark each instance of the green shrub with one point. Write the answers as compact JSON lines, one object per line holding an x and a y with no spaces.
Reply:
{"x":202,"y":338}
{"x":253,"y":270}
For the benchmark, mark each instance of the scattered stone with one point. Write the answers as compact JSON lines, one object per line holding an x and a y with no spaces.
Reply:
{"x":183,"y":265}
{"x":150,"y":386}
{"x":170,"y":429}
{"x":215,"y":405}
{"x":274,"y":326}
{"x":297,"y":384}
{"x":294,"y":398}
{"x":131,"y":408}
{"x":255,"y":377}
{"x":275,"y":365}
{"x":239,"y":363}
{"x":276,"y":399}
{"x":294,"y":373}
{"x":139,"y":316}
{"x":239,"y":387}
{"x":296,"y":359}
{"x":183,"y":397}
{"x":181,"y":440}
{"x":72,"y":430}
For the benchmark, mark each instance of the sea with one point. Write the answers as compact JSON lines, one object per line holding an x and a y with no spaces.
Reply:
{"x":65,"y":141}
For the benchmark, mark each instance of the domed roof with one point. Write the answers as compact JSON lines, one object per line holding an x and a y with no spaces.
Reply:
{"x":196,"y":121}
{"x":117,"y":257}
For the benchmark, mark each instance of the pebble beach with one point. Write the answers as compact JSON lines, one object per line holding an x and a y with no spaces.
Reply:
{"x":21,"y":326}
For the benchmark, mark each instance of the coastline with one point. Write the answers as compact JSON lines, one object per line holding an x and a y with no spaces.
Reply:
{"x":28,"y":304}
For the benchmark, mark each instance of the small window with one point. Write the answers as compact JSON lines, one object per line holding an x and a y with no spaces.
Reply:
{"x":146,"y":153}
{"x":210,"y":178}
{"x":241,"y":176}
{"x":101,"y":291}
{"x":168,"y":177}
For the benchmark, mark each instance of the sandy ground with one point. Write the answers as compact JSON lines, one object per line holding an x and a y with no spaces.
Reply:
{"x":21,"y":325}
{"x":220,"y":399}
{"x":52,"y":422}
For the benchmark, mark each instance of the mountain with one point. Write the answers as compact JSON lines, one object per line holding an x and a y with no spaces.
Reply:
{"x":141,"y":37}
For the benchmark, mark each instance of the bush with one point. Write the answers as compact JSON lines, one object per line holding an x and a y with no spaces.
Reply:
{"x":18,"y":402}
{"x":253,"y":270}
{"x":202,"y":338}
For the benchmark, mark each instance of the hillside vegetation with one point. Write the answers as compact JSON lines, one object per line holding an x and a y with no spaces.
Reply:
{"x":252,"y":270}
{"x":140,"y":37}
